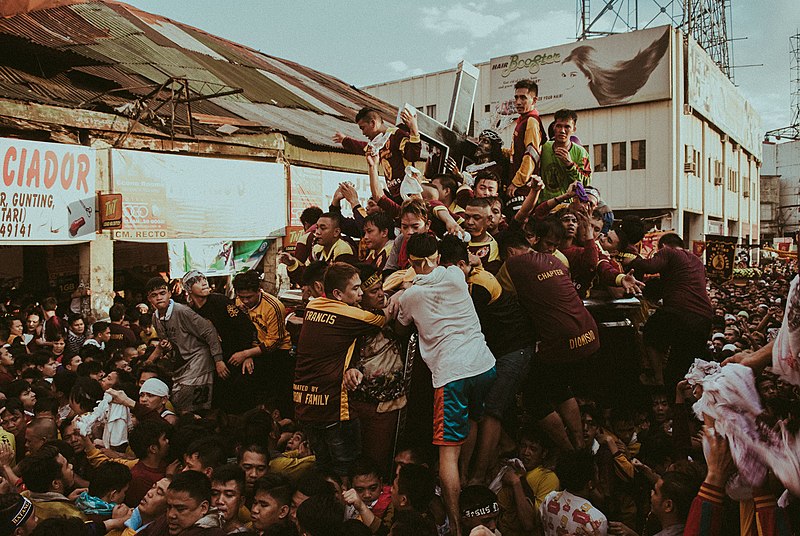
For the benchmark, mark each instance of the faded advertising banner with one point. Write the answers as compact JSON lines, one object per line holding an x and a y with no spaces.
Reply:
{"x":182,"y":197}
{"x":715,"y":97}
{"x":619,"y":69}
{"x":214,"y":257}
{"x":315,"y":187}
{"x":48,"y":192}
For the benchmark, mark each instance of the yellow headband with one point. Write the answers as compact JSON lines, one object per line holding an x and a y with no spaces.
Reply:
{"x":430,"y":259}
{"x":377,"y":277}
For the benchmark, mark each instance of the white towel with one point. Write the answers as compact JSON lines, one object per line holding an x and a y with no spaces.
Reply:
{"x":115,"y":417}
{"x":786,"y":350}
{"x":119,"y":422}
{"x":731,"y":399}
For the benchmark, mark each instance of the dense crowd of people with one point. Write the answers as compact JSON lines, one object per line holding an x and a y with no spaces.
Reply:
{"x":439,"y":377}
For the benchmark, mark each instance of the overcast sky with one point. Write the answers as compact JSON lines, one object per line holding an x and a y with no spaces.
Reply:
{"x":366,"y":41}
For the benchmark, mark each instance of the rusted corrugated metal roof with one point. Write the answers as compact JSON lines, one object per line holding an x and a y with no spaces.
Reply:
{"x":124,"y":79}
{"x":56,"y":27}
{"x":318,"y":127}
{"x":58,"y":89}
{"x":257,"y":87}
{"x":13,"y":91}
{"x":107,"y":18}
{"x":328,"y":89}
{"x":99,"y":54}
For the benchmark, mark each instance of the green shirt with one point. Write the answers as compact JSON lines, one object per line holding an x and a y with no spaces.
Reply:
{"x":557,"y":177}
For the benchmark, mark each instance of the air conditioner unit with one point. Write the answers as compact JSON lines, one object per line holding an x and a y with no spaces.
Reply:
{"x":689,"y":167}
{"x":717,"y":181}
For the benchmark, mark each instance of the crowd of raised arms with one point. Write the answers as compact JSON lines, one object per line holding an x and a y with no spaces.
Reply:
{"x":441,"y":376}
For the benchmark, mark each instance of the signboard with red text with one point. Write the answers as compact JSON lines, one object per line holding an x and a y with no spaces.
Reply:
{"x":48,"y":192}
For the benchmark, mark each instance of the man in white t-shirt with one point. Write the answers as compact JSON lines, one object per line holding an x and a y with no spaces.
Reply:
{"x":452,"y":345}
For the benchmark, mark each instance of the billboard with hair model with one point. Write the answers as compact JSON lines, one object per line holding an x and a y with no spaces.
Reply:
{"x":609,"y":71}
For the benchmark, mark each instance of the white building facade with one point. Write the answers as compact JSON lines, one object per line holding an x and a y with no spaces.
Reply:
{"x":780,"y":190}
{"x":669,"y":136}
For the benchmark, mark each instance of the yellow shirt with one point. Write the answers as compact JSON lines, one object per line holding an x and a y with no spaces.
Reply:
{"x":8,"y":439}
{"x":318,"y":253}
{"x":45,"y":509}
{"x":541,"y":482}
{"x":269,"y":317}
{"x":291,"y":465}
{"x":560,"y":256}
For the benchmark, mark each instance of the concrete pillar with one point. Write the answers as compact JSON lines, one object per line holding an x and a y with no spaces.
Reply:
{"x":98,"y":262}
{"x":270,"y":265}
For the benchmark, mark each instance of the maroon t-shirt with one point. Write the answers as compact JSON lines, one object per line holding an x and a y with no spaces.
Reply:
{"x":565,"y":329}
{"x":399,"y":152}
{"x":683,"y":277}
{"x":53,"y":327}
{"x":121,"y":337}
{"x":582,"y":265}
{"x":518,"y":147}
{"x":142,"y":480}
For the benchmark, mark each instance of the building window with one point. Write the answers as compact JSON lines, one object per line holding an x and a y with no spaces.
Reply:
{"x":699,"y":163}
{"x":618,"y":156}
{"x":430,"y":111}
{"x":487,"y":108}
{"x":638,"y":154}
{"x":733,"y":181}
{"x":601,"y":157}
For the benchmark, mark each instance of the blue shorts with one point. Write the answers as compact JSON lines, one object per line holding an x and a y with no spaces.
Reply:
{"x":455,"y":403}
